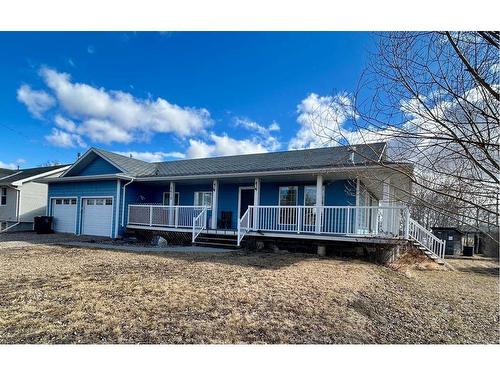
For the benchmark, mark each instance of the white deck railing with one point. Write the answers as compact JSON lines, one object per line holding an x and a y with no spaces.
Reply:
{"x":425,"y":238}
{"x":199,"y":223}
{"x":379,"y":221}
{"x":154,"y":215}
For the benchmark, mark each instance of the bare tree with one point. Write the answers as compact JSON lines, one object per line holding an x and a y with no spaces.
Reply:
{"x":434,"y":96}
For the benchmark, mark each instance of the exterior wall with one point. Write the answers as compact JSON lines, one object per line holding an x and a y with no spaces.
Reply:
{"x":9,"y":211}
{"x":97,"y":166}
{"x":337,"y":193}
{"x":33,"y":200}
{"x":86,"y":189}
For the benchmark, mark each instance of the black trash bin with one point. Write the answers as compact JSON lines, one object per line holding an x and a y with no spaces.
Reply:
{"x":468,"y":251}
{"x":43,"y":224}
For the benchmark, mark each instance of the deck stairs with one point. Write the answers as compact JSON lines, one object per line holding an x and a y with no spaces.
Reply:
{"x":425,"y":241}
{"x":223,"y":240}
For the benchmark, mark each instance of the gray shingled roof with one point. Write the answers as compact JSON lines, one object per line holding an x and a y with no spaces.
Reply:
{"x":274,"y":161}
{"x":130,"y":165}
{"x":5,"y":172}
{"x":21,"y":174}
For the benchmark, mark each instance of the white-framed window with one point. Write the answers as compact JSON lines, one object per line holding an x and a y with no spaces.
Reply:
{"x":65,"y":201}
{"x":310,"y":200}
{"x":288,"y":195}
{"x":310,"y":195}
{"x":3,"y":196}
{"x":166,"y":198}
{"x":203,"y":198}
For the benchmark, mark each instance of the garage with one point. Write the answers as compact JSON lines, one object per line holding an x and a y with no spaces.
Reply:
{"x":97,"y":216}
{"x":64,"y":213}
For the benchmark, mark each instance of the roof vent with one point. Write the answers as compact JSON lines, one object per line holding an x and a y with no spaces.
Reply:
{"x":157,"y":172}
{"x":78,"y":155}
{"x":130,"y":156}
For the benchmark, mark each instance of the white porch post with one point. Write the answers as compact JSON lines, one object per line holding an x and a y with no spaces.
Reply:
{"x":256,"y":203}
{"x":171,"y":203}
{"x":386,"y":202}
{"x":319,"y":202}
{"x":215,"y":201}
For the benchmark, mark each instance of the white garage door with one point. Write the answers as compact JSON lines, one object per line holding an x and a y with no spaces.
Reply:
{"x":64,"y":213}
{"x":97,"y":216}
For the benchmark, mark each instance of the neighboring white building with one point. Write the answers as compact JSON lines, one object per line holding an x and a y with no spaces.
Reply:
{"x":22,"y":197}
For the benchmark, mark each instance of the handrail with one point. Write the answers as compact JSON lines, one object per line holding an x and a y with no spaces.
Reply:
{"x":199,"y":227}
{"x":379,"y":221}
{"x":426,"y":238}
{"x":244,"y":225}
{"x":158,"y":215}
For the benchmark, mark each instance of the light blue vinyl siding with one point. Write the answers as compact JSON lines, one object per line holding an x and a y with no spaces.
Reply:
{"x":85,"y":189}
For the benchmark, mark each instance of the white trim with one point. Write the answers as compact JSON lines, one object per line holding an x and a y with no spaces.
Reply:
{"x":87,"y":154}
{"x":95,"y":197}
{"x":50,"y":209}
{"x":41,"y":175}
{"x":215,"y":203}
{"x":123,"y":201}
{"x":239,"y":198}
{"x":117,"y":208}
{"x":96,"y":177}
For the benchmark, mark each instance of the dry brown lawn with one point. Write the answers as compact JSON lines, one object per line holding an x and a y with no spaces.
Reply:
{"x":53,"y":294}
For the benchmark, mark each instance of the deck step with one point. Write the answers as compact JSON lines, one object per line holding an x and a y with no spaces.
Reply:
{"x":217,"y":244}
{"x":217,"y":240}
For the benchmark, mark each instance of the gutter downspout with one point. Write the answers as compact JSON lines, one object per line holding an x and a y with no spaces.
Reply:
{"x":123,"y":200}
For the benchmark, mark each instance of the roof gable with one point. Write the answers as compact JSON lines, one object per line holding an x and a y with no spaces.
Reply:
{"x":92,"y":164}
{"x":24,"y":175}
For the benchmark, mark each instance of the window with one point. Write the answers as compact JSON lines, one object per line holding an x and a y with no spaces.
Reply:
{"x":310,"y":196}
{"x":166,"y":198}
{"x":3,"y":197}
{"x":288,"y":195}
{"x":203,"y":198}
{"x":109,"y":202}
{"x":310,"y":200}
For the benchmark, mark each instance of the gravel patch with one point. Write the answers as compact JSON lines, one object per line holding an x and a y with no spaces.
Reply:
{"x":54,"y":294}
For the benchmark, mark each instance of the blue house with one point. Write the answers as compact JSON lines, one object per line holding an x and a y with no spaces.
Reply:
{"x":348,"y":193}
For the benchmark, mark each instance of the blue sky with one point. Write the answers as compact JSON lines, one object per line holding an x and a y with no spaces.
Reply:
{"x":163,"y":96}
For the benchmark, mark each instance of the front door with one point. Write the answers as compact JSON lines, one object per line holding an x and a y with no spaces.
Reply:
{"x":246,"y":199}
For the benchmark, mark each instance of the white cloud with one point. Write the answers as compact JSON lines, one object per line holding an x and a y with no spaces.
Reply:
{"x":8,"y":165}
{"x":37,"y":101}
{"x":322,"y":120}
{"x":63,"y":139}
{"x":152,"y":157}
{"x":116,"y":116}
{"x":65,"y":124}
{"x":223,"y":145}
{"x":13,"y":165}
{"x":104,"y":131}
{"x":260,"y":129}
